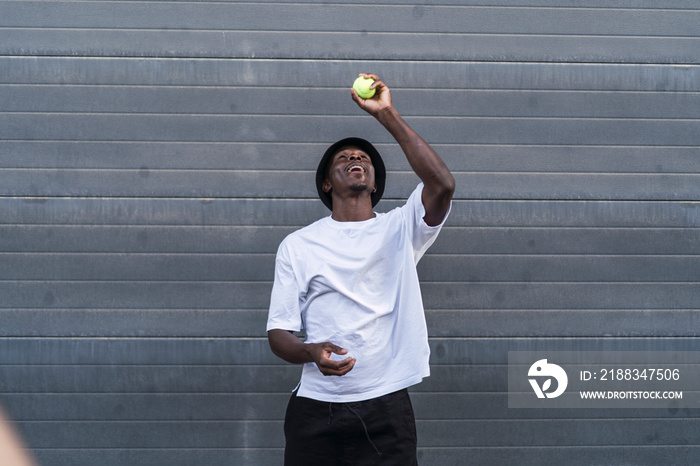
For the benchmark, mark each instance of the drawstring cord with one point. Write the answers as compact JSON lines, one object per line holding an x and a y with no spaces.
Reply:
{"x":365,"y":427}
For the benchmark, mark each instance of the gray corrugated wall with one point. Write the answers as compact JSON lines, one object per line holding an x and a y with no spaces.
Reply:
{"x":153,"y":155}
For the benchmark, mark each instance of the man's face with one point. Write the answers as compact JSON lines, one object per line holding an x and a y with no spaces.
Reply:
{"x":350,"y":169}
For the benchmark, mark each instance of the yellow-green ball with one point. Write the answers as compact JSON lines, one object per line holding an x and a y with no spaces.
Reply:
{"x":361,"y":86}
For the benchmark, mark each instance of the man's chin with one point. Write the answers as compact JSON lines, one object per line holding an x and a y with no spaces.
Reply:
{"x":358,"y":187}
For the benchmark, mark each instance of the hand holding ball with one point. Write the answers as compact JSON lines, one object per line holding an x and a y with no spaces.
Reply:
{"x":361,"y":86}
{"x":371,"y":94}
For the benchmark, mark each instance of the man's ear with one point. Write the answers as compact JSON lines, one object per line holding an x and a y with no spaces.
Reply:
{"x":326,"y":186}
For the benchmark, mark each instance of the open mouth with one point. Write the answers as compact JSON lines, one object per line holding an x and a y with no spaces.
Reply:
{"x":356,"y":169}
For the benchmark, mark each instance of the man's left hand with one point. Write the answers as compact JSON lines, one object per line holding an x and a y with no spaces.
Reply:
{"x":377,"y":103}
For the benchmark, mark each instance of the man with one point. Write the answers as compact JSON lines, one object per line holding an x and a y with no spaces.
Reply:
{"x":350,"y":281}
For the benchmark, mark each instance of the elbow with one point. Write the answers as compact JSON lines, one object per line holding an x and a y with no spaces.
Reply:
{"x":437,"y":198}
{"x":450,"y":186}
{"x":440,"y":184}
{"x":445,"y":188}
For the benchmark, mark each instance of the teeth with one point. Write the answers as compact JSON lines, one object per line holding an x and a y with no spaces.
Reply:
{"x":356,"y":166}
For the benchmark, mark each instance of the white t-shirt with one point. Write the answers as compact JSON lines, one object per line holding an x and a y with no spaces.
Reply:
{"x":355,"y":284}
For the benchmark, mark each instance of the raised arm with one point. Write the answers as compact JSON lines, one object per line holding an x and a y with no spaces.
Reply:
{"x":439,"y":184}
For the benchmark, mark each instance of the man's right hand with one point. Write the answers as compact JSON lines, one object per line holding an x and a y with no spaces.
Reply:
{"x":321,"y":355}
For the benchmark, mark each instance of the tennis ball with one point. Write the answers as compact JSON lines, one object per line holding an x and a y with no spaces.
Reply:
{"x":361,"y":86}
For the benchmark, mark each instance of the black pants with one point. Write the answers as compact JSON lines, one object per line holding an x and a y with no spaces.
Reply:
{"x":380,"y":431}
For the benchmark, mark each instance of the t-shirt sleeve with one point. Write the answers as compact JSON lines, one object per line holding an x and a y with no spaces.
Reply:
{"x":423,"y":235}
{"x":284,"y":312}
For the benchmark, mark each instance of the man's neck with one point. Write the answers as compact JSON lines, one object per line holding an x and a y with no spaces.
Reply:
{"x":352,"y":210}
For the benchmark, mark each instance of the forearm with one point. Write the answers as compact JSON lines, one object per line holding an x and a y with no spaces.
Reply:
{"x":287,"y":346}
{"x":439,"y":184}
{"x":424,"y":161}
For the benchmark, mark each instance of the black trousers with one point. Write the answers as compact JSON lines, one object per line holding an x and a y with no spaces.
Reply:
{"x":380,"y":431}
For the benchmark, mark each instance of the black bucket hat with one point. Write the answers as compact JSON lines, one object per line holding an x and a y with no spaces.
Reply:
{"x":365,"y":146}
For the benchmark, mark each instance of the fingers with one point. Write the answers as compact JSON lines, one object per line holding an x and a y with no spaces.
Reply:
{"x":377,"y":84}
{"x":358,"y":100}
{"x":372,"y":76}
{"x":377,"y":103}
{"x":328,"y":346}
{"x":329,"y":366}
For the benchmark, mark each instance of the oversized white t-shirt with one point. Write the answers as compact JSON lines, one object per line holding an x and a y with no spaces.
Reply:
{"x":355,"y":284}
